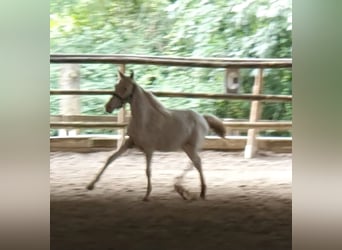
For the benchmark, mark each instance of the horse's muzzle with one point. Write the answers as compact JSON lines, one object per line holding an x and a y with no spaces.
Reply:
{"x":108,"y":108}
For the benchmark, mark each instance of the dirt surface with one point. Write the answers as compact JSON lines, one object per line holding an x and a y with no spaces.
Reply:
{"x":248,"y":203}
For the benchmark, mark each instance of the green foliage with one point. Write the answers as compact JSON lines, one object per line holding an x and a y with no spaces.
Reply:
{"x":205,"y":28}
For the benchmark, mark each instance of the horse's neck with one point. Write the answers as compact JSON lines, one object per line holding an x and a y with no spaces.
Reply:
{"x":144,"y":106}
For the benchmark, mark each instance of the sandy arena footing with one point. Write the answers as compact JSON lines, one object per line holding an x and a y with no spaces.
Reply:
{"x":248,"y":202}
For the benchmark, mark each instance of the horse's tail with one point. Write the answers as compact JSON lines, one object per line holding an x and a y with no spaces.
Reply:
{"x":215,"y":124}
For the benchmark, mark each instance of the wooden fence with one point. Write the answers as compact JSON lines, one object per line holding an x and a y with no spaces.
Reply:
{"x":253,"y":126}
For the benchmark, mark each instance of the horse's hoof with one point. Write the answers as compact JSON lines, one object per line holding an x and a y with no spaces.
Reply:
{"x":90,"y":187}
{"x":146,"y":199}
{"x":185,"y":194}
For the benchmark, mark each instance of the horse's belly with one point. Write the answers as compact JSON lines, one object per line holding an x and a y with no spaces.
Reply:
{"x":168,"y":143}
{"x":162,"y":146}
{"x":170,"y":135}
{"x":159,"y":142}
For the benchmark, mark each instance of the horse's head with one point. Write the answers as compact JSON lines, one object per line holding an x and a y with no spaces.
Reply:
{"x":123,"y":92}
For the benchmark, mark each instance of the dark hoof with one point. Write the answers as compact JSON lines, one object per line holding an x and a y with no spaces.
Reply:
{"x":185,"y":194}
{"x":202,"y":195}
{"x":90,"y":187}
{"x":146,"y":199}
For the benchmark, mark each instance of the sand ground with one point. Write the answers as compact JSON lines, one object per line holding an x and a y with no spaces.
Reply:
{"x":248,"y":203}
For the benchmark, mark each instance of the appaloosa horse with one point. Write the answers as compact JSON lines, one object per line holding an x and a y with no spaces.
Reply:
{"x":155,"y":128}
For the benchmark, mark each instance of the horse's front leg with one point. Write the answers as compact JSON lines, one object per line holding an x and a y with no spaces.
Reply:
{"x":128,"y":143}
{"x":148,"y":175}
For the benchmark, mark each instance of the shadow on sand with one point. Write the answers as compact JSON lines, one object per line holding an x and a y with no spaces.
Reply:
{"x":229,"y":222}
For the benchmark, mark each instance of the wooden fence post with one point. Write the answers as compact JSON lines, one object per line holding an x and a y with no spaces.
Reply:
{"x":231,"y":86}
{"x":255,"y":113}
{"x":121,"y":117}
{"x":69,"y":105}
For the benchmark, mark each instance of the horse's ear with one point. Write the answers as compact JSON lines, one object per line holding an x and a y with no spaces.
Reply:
{"x":132,"y":74}
{"x":120,"y":74}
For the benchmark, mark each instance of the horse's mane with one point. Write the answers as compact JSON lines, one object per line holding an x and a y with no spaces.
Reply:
{"x":155,"y":103}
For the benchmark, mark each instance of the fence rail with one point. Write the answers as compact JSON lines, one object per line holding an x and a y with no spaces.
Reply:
{"x":173,"y":61}
{"x":284,"y":125}
{"x":250,"y":97}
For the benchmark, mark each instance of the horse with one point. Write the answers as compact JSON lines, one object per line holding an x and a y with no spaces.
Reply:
{"x":155,"y":128}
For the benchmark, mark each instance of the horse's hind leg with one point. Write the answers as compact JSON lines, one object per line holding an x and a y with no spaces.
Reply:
{"x":193,"y":155}
{"x":117,"y":153}
{"x":185,"y":194}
